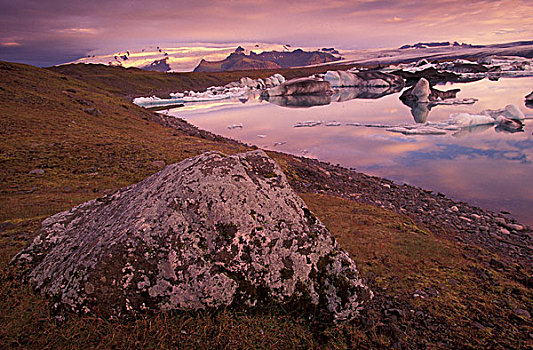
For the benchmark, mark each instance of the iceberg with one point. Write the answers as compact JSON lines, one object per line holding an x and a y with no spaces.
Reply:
{"x":239,"y":89}
{"x":309,"y":124}
{"x":372,"y":79}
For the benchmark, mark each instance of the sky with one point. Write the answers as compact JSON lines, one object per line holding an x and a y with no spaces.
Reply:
{"x":49,"y":32}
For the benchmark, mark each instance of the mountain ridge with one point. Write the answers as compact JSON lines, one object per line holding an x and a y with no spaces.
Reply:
{"x":238,"y":60}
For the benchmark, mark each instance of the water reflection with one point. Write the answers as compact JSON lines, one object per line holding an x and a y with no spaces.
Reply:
{"x":486,"y":168}
{"x":346,"y":94}
{"x":470,"y":130}
{"x":419,"y":110}
{"x":340,"y":95}
{"x":300,"y":101}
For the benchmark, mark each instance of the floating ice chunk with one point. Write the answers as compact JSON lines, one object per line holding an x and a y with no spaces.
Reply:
{"x":333,"y":123}
{"x":509,"y":124}
{"x":279,"y":77}
{"x":422,"y":90}
{"x":456,"y":101}
{"x":261,"y":136}
{"x":309,"y":123}
{"x":419,"y":130}
{"x":235,"y":126}
{"x":510,"y":111}
{"x":247,"y":82}
{"x":280,"y":143}
{"x":341,"y":78}
{"x":465,"y":119}
{"x":381,"y":126}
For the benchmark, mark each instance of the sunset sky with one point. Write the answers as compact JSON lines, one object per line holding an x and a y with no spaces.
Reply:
{"x":47,"y":32}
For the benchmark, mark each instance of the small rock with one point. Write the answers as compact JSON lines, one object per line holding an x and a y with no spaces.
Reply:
{"x":386,"y":186}
{"x":36,"y":172}
{"x":159,"y":163}
{"x":93,"y":111}
{"x":505,"y":231}
{"x":500,"y":221}
{"x":89,"y":288}
{"x":454,"y":208}
{"x":432,"y":292}
{"x":515,"y":227}
{"x":395,"y":312}
{"x":496,"y":263}
{"x":478,"y":325}
{"x":522,"y":312}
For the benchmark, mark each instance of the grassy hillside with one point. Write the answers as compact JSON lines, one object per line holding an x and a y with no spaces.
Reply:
{"x":81,"y":139}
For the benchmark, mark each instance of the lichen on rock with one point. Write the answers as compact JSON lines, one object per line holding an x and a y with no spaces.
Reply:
{"x":211,"y":231}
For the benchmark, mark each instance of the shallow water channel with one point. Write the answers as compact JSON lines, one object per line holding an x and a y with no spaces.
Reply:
{"x":483,"y":166}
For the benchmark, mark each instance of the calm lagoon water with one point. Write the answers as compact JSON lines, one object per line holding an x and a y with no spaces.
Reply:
{"x":485,"y":167}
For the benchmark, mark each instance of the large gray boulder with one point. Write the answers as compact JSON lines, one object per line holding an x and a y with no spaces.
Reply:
{"x":209,"y":232}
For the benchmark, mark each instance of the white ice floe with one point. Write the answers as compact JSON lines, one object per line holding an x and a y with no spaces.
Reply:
{"x":280,"y":143}
{"x":464,"y":120}
{"x":419,"y":130}
{"x":309,"y":124}
{"x":455,"y":101}
{"x":370,"y":125}
{"x":235,"y":126}
{"x":510,"y":111}
{"x":333,"y":123}
{"x":262,"y":136}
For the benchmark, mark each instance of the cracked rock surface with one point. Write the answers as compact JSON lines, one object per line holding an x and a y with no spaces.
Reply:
{"x":209,"y":232}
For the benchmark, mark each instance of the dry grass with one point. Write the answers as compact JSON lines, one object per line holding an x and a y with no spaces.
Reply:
{"x":474,"y":307}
